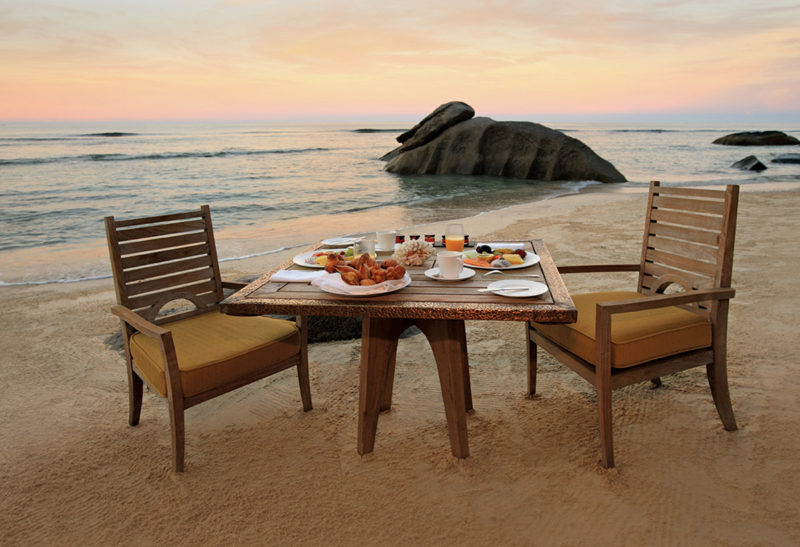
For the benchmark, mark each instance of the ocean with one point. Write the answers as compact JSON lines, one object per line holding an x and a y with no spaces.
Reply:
{"x":272,"y":187}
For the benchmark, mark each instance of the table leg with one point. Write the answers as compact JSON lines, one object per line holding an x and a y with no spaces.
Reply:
{"x":465,"y":369}
{"x":378,"y":347}
{"x":448,"y":342}
{"x":388,"y":383}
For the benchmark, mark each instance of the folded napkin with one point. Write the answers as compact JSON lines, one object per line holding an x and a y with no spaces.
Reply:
{"x":295,"y":276}
{"x":333,"y":283}
{"x":513,"y":246}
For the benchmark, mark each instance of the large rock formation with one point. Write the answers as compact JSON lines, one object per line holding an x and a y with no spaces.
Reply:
{"x":757,"y":138}
{"x":451,"y":141}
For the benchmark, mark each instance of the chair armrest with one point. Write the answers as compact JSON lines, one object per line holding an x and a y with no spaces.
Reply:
{"x":590,"y":268}
{"x":665,"y":300}
{"x":164,"y":337}
{"x":138,"y":322}
{"x":233,"y":285}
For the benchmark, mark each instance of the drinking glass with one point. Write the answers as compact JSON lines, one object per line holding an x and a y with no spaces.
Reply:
{"x":454,"y":237}
{"x":365,"y":245}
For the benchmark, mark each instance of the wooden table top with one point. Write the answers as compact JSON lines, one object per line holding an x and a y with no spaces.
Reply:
{"x":424,"y":298}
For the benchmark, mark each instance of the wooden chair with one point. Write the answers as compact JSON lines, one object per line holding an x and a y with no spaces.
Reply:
{"x":688,"y":242}
{"x":192,"y":353}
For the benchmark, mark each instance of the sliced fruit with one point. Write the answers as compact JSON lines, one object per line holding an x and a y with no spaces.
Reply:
{"x":513,"y":258}
{"x":476,"y":262}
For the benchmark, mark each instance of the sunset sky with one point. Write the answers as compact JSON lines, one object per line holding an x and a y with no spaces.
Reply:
{"x":317,"y":60}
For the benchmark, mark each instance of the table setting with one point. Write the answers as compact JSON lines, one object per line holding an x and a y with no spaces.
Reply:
{"x":359,"y":269}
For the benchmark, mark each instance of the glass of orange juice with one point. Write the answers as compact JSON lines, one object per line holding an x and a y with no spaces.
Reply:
{"x":454,"y":237}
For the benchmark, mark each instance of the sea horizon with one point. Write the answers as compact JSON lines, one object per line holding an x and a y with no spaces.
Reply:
{"x":273,"y":186}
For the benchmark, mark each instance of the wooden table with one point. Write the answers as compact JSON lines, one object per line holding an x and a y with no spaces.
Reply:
{"x":437,"y":308}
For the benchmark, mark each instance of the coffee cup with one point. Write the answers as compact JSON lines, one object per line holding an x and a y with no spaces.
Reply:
{"x":450,"y":264}
{"x":386,"y":239}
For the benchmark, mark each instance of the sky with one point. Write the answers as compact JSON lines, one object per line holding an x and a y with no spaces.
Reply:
{"x":320,"y":60}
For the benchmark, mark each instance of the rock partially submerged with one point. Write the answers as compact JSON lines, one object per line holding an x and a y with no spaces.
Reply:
{"x":451,"y":141}
{"x":757,"y":138}
{"x":786,"y":158}
{"x":750,"y":163}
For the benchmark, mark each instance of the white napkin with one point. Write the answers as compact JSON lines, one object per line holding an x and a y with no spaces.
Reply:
{"x":295,"y":276}
{"x":512,"y":246}
{"x":333,"y":283}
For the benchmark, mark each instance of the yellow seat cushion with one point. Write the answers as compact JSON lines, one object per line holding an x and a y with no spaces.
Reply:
{"x":636,"y":337}
{"x":214,"y":349}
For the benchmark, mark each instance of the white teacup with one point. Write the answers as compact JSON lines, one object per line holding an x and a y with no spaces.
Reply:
{"x":450,"y":264}
{"x":386,"y":239}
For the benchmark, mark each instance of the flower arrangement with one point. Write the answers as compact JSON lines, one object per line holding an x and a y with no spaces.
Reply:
{"x":413,"y":253}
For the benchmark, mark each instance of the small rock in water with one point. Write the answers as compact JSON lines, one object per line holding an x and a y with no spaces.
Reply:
{"x":750,"y":163}
{"x":786,"y":158}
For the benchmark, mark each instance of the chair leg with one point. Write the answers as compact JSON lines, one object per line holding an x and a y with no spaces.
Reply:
{"x":302,"y":366}
{"x":655,"y":382}
{"x":604,"y":419}
{"x":532,"y":363}
{"x":717,"y":373}
{"x":135,"y":388}
{"x":305,"y":385}
{"x":717,"y":370}
{"x":178,"y":432}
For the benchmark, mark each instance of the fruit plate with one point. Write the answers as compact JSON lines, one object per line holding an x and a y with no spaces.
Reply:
{"x":529,"y":260}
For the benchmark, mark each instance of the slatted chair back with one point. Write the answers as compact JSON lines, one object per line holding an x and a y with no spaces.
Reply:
{"x":157,"y":260}
{"x":688,"y":240}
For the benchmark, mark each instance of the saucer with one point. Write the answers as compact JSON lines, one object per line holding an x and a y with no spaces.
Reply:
{"x":433,"y":273}
{"x":385,"y":249}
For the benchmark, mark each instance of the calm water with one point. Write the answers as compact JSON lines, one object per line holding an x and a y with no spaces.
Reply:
{"x":278,"y":186}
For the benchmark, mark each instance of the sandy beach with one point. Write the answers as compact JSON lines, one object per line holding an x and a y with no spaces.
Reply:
{"x":261,"y":471}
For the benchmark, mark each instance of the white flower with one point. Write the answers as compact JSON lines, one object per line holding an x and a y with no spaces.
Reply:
{"x":413,"y":252}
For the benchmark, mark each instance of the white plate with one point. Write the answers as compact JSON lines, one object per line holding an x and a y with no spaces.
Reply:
{"x":301,"y":259}
{"x":529,"y":260}
{"x":339,"y":241}
{"x":353,"y":290}
{"x":533,"y":288}
{"x":384,"y":250}
{"x":465,"y":273}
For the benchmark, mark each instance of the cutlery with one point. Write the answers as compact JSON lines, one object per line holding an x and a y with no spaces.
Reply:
{"x":511,"y":273}
{"x":505,"y":289}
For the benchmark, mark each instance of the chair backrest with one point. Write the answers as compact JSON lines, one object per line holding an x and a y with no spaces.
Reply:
{"x":688,"y":239}
{"x":157,"y":260}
